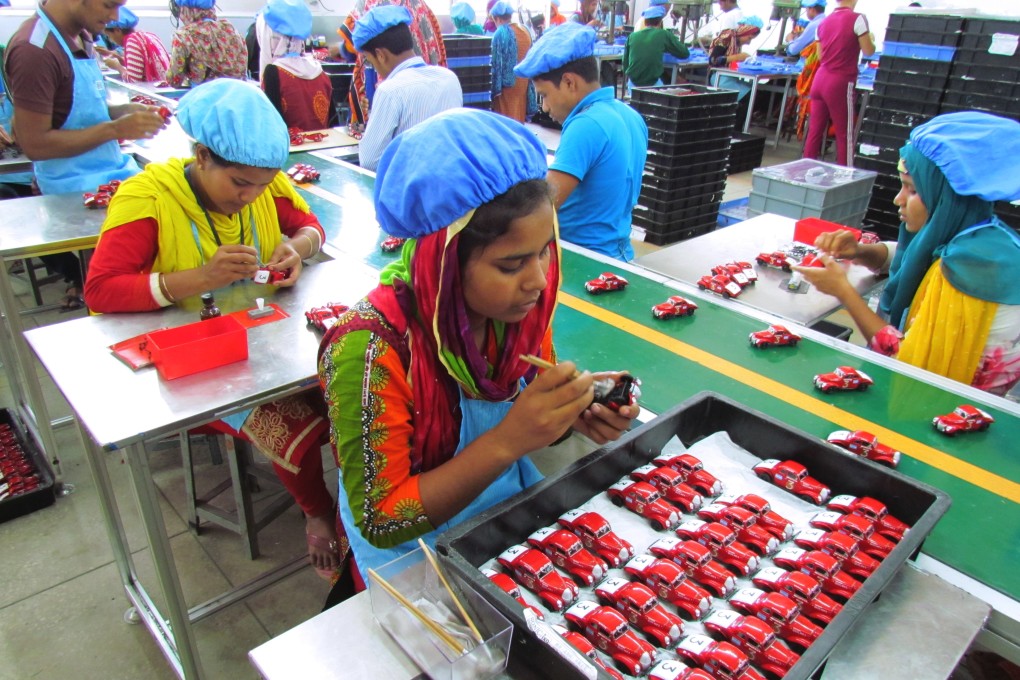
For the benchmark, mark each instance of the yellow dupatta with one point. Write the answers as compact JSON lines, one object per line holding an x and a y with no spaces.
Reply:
{"x":947,"y":330}
{"x":161,"y":192}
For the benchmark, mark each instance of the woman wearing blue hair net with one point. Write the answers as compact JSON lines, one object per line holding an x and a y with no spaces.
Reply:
{"x":432,"y":409}
{"x":145,"y":59}
{"x":952,"y":302}
{"x":188,"y":226}
{"x":204,"y":47}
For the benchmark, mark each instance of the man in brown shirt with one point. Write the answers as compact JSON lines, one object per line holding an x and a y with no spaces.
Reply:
{"x":61,"y":119}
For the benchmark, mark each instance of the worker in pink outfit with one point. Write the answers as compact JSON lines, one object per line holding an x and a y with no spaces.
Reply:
{"x":842,"y":37}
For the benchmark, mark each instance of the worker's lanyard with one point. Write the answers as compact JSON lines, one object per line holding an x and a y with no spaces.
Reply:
{"x":212,"y":227}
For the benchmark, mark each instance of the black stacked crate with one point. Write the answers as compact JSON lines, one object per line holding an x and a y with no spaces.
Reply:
{"x":912,"y":76}
{"x":981,"y":80}
{"x":746,"y":152}
{"x":689,"y":129}
{"x":470,"y":57}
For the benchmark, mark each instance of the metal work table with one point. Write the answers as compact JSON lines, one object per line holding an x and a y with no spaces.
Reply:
{"x":132,"y":407}
{"x":689,"y":260}
{"x":168,"y":94}
{"x":764,"y":80}
{"x":13,"y":164}
{"x":34,"y":226}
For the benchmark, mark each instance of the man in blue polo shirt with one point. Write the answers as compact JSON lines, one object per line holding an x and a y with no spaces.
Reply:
{"x":596,"y":173}
{"x":815,"y":14}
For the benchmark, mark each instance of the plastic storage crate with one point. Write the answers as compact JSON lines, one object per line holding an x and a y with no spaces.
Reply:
{"x":897,"y":99}
{"x":471,"y":544}
{"x":813,"y":184}
{"x":746,"y":153}
{"x":926,"y":23}
{"x":683,"y":96}
{"x":680,"y":234}
{"x":913,"y":50}
{"x":666,"y":205}
{"x":44,"y":494}
{"x":458,"y":46}
{"x":894,"y":72}
{"x":850,"y":213}
{"x":732,"y":212}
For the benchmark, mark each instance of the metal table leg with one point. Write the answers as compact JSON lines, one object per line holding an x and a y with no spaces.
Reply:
{"x":782,"y":113}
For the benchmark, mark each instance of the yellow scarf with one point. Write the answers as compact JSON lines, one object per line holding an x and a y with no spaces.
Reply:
{"x":161,"y":192}
{"x":947,"y":330}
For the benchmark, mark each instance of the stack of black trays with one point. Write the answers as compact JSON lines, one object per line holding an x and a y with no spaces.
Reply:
{"x":689,"y":129}
{"x":932,"y":64}
{"x":470,"y":57}
{"x":746,"y":152}
{"x":982,"y":81}
{"x":909,"y":84}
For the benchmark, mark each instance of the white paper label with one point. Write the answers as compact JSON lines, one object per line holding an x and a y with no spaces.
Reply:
{"x":1004,"y":44}
{"x":868,"y":150}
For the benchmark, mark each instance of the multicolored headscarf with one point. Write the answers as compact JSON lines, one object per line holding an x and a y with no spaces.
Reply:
{"x":485,"y":155}
{"x":730,"y":38}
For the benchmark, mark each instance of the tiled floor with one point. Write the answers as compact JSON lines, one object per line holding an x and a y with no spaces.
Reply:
{"x":61,"y":605}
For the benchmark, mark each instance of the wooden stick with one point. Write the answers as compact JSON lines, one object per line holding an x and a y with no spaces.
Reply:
{"x":446,"y":584}
{"x":436,"y":628}
{"x":542,"y":363}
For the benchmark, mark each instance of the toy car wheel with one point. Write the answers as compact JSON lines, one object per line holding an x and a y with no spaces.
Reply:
{"x":759,"y":261}
{"x":701,"y":286}
{"x":763,"y":345}
{"x":983,"y":427}
{"x":863,"y":387}
{"x":786,"y":268}
{"x":809,"y":499}
{"x":658,"y":525}
{"x":767,"y":478}
{"x":617,"y":501}
{"x":793,"y":343}
{"x":726,"y":294}
{"x":690,"y":312}
{"x":824,"y":388}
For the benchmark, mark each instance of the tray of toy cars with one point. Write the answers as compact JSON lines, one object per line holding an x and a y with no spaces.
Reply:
{"x":733,"y":518}
{"x":26,"y":480}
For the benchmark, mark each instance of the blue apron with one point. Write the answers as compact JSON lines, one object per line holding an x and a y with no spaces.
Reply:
{"x":477,"y":417}
{"x":88,"y":107}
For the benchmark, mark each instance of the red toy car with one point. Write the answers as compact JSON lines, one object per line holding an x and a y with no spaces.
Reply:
{"x":510,"y":587}
{"x":303,"y":172}
{"x":696,"y":561}
{"x":673,"y":307}
{"x":534,"y":571}
{"x":567,"y":553}
{"x":964,"y":418}
{"x":644,"y":499}
{"x":722,"y":541}
{"x":821,"y":567}
{"x":811,"y":260}
{"x":607,"y":630}
{"x":267,"y":275}
{"x":693,"y":471}
{"x":321,"y":318}
{"x":773,"y":522}
{"x":624,"y":391}
{"x":670,"y":484}
{"x":581,"y":644}
{"x":872,"y":510}
{"x":606,"y":283}
{"x":778,"y":611}
{"x":100,"y":199}
{"x":869,"y":237}
{"x":391,"y":244}
{"x":747,"y":269}
{"x":856,"y":527}
{"x":597,"y":535}
{"x":671,"y":669}
{"x":720,"y":659}
{"x":792,"y":476}
{"x":843,"y":378}
{"x":842,"y":547}
{"x":776,"y":259}
{"x":774,"y":336}
{"x":744,"y":522}
{"x":802,"y":589}
{"x":670,"y":583}
{"x":735,"y":274}
{"x":719,"y":284}
{"x":866,"y":445}
{"x":637,"y":603}
{"x":755,"y":638}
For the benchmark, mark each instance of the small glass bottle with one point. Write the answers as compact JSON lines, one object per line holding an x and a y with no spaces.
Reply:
{"x":209,"y":308}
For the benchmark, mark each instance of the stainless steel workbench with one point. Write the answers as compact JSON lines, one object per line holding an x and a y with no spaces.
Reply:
{"x":689,"y":260}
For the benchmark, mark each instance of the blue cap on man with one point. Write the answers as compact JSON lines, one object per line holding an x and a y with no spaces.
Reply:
{"x":813,"y":3}
{"x":291,"y":18}
{"x":558,"y":46}
{"x":126,"y":19}
{"x":377,"y":20}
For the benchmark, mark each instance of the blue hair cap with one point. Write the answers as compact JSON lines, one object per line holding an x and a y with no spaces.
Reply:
{"x":377,"y":20}
{"x":977,"y":152}
{"x":125,"y":19}
{"x":236,"y":121}
{"x":291,"y":18}
{"x":558,"y":46}
{"x":482,"y":156}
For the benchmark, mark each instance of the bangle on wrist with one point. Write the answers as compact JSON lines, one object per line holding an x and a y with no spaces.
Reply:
{"x":313,"y":245}
{"x":163,"y":288}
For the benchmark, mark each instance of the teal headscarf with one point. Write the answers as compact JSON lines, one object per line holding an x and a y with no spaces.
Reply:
{"x":983,"y":262}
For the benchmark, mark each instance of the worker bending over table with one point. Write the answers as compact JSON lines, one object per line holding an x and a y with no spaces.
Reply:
{"x":61,"y":118}
{"x":432,"y":409}
{"x":596,"y":173}
{"x":642,"y":56}
{"x":952,"y":302}
{"x":727,"y":20}
{"x":188,"y":226}
{"x":411,"y":90}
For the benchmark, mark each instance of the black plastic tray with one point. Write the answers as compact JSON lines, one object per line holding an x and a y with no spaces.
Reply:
{"x":45,"y":493}
{"x":465,"y":547}
{"x":467,"y":45}
{"x":691,"y":144}
{"x":889,"y":75}
{"x":683,"y":234}
{"x":929,"y":23}
{"x":670,"y":206}
{"x":971,"y":101}
{"x":687,"y":164}
{"x":897,"y":99}
{"x":696,"y":182}
{"x":683,"y":96}
{"x":694,"y":194}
